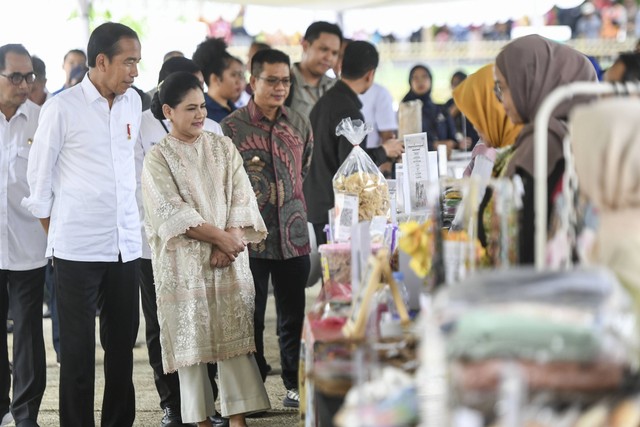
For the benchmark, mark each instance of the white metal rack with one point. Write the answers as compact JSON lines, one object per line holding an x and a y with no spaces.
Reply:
{"x":541,"y":123}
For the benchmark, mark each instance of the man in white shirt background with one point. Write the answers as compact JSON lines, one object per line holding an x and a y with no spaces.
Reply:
{"x":83,"y":188}
{"x":39,"y":93}
{"x":377,"y":109}
{"x":22,"y":245}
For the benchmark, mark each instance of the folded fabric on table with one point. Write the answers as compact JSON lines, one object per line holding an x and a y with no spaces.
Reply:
{"x":554,"y":376}
{"x":484,"y":334}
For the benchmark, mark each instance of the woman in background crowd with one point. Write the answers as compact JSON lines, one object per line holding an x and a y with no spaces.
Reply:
{"x":436,"y":121}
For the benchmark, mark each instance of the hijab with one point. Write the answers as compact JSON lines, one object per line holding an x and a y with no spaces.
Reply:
{"x":533,"y":67}
{"x":475,"y":98}
{"x":411,"y":95}
{"x":605,"y":138}
{"x":606,"y":145}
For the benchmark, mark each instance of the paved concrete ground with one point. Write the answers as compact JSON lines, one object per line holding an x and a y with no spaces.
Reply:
{"x":148,"y":413}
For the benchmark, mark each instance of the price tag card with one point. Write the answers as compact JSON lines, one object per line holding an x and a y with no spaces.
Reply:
{"x":346,"y":215}
{"x":417,"y":169}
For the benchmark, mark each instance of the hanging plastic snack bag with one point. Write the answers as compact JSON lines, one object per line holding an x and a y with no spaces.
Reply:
{"x":359,"y":175}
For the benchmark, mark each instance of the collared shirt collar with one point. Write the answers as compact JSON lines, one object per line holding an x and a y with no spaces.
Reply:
{"x":256,"y":114}
{"x":215,"y":111}
{"x":295,"y":70}
{"x":25,"y":109}
{"x":91,"y":93}
{"x":345,"y":88}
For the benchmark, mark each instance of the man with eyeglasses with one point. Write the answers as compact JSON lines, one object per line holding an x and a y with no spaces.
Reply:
{"x":22,"y":245}
{"x":83,"y":188}
{"x":276,"y":144}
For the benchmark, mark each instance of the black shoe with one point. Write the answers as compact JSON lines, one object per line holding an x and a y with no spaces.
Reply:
{"x":218,"y":420}
{"x":172,"y":418}
{"x":27,"y":423}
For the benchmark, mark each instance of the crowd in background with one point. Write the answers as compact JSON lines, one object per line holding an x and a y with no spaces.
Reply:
{"x":594,"y":19}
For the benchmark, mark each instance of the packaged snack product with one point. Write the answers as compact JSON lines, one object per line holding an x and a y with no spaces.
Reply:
{"x":359,"y":175}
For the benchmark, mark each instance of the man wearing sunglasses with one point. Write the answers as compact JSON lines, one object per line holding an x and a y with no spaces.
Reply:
{"x":276,"y":144}
{"x":22,"y":245}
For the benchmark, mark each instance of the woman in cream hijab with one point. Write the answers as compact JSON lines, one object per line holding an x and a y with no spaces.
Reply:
{"x":605,"y":138}
{"x":527,"y":70}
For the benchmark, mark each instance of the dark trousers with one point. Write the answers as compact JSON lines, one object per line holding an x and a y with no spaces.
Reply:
{"x":49,"y":280}
{"x":82,"y":287}
{"x":23,"y":291}
{"x":289,"y":278}
{"x":168,"y":385}
{"x":321,"y":235}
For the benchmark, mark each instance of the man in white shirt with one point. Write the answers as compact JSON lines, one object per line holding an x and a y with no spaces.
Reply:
{"x":377,"y":109}
{"x":22,"y":245}
{"x":153,"y":131}
{"x":39,"y":93}
{"x":83,"y":188}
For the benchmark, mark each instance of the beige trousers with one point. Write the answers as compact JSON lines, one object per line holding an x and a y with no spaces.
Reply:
{"x":241,"y":389}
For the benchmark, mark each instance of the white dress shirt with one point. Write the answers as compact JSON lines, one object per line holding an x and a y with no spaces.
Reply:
{"x":82,"y":175}
{"x":243,"y":100}
{"x":152,"y":132}
{"x":377,"y":109}
{"x":22,"y":238}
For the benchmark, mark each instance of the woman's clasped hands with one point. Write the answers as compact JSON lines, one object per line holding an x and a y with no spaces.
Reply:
{"x":228,"y":247}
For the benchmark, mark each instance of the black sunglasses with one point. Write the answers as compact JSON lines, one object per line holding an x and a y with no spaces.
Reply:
{"x":17,"y":78}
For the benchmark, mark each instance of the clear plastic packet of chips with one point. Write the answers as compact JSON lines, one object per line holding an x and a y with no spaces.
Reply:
{"x":359,"y":175}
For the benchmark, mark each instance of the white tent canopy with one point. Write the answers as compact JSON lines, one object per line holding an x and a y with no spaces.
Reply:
{"x":176,"y":24}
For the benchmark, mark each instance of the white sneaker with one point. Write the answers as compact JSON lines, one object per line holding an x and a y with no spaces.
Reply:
{"x":292,"y":399}
{"x":7,"y":419}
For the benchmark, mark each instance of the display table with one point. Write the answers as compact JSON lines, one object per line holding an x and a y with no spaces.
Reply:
{"x":325,"y":369}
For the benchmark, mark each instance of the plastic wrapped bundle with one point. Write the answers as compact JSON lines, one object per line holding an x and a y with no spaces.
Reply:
{"x":359,"y":175}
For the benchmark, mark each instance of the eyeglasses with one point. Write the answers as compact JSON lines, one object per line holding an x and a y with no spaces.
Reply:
{"x":497,"y":90}
{"x":274,"y":81}
{"x":17,"y":78}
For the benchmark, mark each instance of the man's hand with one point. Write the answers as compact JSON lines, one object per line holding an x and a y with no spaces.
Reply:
{"x":393,"y":148}
{"x":45,"y":224}
{"x":465,"y":143}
